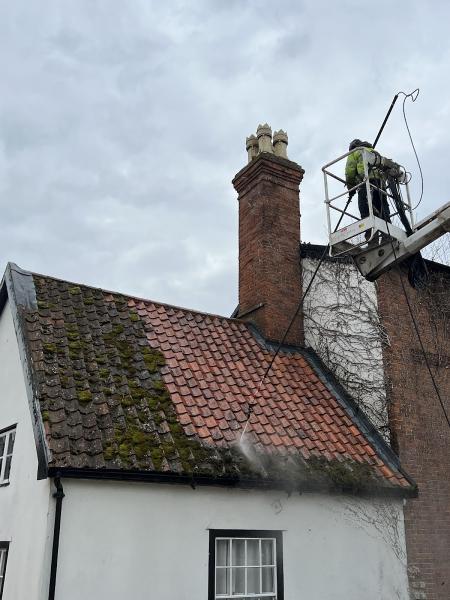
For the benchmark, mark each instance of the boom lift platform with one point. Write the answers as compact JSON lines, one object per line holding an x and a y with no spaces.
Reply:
{"x":376,"y":244}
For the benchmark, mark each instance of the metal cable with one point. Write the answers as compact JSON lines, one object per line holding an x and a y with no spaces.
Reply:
{"x":280,"y":344}
{"x":291,"y":322}
{"x":413,"y":95}
{"x":416,"y":327}
{"x":300,"y":304}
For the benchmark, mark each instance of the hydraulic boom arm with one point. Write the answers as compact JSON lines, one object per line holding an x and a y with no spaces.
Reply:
{"x":373,"y":261}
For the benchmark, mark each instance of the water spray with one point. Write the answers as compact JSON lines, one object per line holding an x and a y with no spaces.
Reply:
{"x":248,"y":414}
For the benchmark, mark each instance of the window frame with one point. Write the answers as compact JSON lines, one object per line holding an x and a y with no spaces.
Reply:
{"x":246,"y":533}
{"x":3,"y":546}
{"x":6,"y":434}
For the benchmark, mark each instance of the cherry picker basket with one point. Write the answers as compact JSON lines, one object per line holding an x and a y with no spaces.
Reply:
{"x":349,"y":233}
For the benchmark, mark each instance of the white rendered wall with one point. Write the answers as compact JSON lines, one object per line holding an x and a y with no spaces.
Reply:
{"x":24,"y":503}
{"x":343,"y":327}
{"x":150,"y":541}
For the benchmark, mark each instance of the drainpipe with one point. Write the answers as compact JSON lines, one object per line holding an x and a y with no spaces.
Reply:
{"x":59,"y":495}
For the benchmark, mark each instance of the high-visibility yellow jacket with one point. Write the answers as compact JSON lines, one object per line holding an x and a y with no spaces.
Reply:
{"x":354,"y":169}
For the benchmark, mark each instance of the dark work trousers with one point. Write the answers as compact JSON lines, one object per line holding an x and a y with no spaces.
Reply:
{"x":380,"y":204}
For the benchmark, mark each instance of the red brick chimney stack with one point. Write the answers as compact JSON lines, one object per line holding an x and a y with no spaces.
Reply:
{"x":270,"y":283}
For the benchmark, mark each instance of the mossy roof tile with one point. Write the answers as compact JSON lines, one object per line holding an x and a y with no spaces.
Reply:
{"x":125,"y":383}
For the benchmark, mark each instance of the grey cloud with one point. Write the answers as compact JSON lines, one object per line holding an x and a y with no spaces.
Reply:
{"x":122,"y":125}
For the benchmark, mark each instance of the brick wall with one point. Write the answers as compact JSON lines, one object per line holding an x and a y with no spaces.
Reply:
{"x":420,"y":433}
{"x":269,"y":240}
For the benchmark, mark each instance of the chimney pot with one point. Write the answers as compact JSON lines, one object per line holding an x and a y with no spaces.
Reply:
{"x":280,"y":142}
{"x":264,"y":135}
{"x":270,"y":282}
{"x":251,"y":145}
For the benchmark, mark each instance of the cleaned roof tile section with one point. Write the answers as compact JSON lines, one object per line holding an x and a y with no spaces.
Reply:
{"x":131,"y":384}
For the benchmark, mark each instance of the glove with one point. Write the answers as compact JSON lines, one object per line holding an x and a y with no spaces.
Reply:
{"x":351,"y":194}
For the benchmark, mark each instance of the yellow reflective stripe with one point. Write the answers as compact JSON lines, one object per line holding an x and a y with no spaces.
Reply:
{"x":351,"y":169}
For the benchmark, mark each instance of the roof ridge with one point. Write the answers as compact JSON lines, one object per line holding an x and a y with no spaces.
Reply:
{"x":131,"y":296}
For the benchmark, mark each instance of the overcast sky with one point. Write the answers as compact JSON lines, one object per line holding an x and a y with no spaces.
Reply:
{"x":123,"y":123}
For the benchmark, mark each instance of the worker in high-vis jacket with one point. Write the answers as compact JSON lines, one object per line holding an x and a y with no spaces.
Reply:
{"x":354,"y":174}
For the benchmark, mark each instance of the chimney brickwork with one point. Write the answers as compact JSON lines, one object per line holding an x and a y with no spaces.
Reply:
{"x":270,"y":284}
{"x":420,"y":433}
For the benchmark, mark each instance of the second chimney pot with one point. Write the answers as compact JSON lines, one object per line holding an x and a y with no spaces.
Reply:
{"x":251,"y":145}
{"x":280,"y":142}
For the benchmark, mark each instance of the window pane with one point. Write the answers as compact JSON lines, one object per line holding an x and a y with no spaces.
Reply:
{"x":12,"y":437}
{"x":245,"y":568}
{"x":267,"y":552}
{"x":238,"y":552}
{"x":222,"y":581}
{"x":253,"y":552}
{"x":239,"y":581}
{"x":7,"y":467}
{"x":222,"y":553}
{"x":253,"y":586}
{"x":2,"y":444}
{"x":268,"y":580}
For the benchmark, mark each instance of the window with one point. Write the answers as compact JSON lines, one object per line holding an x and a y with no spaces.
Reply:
{"x":245,"y":565}
{"x":6,"y":451}
{"x":3,"y":556}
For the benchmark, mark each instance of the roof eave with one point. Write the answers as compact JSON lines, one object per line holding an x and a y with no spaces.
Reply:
{"x":237,"y":482}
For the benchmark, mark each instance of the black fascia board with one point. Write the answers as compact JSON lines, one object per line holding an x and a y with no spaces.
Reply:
{"x":18,"y":287}
{"x":3,"y":294}
{"x":245,"y":483}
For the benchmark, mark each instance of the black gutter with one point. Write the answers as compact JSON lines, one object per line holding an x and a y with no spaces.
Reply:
{"x":59,"y":495}
{"x":193,"y":480}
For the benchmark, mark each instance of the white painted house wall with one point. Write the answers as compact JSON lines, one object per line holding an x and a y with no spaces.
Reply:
{"x":25,"y":501}
{"x":150,"y":541}
{"x":342,"y":325}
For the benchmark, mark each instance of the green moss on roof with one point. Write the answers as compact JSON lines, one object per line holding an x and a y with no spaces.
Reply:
{"x":49,"y":348}
{"x":103,"y":359}
{"x":344,"y":475}
{"x":84,"y":396}
{"x":100,"y":370}
{"x":75,"y":289}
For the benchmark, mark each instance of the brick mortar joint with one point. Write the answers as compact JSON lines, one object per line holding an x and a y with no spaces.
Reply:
{"x":281,"y":182}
